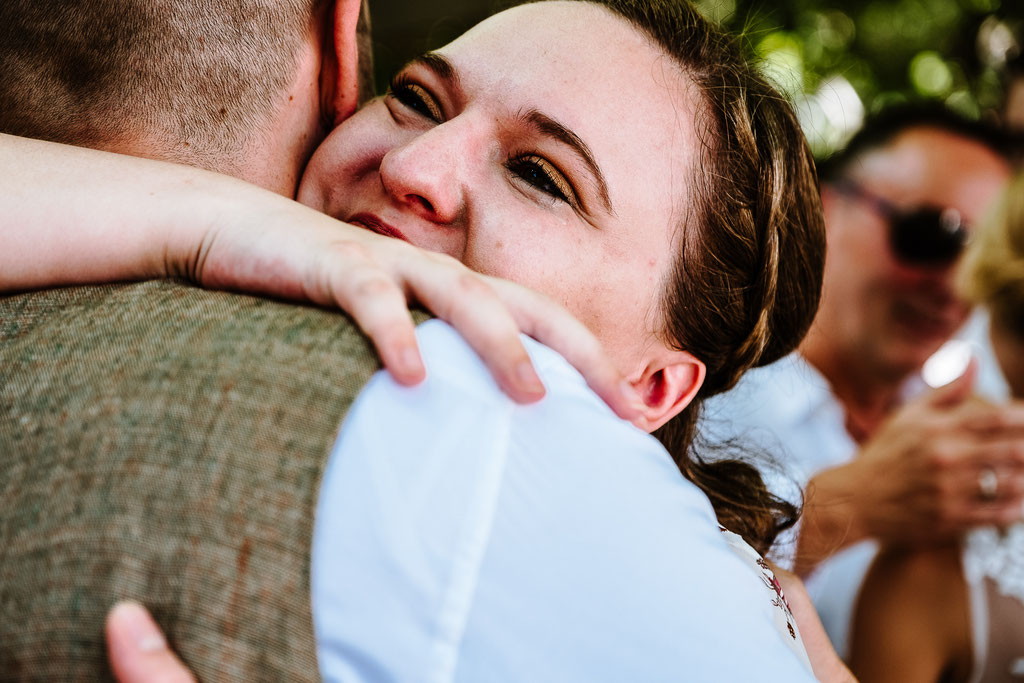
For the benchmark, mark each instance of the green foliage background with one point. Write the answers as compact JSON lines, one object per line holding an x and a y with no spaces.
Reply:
{"x":821,"y":52}
{"x":887,"y":50}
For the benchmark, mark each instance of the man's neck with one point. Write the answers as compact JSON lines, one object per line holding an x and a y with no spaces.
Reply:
{"x":283,"y":144}
{"x":866,"y":395}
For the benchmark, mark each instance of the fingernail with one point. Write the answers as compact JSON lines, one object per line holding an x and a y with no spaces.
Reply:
{"x":153,"y":643}
{"x":143,"y":630}
{"x":411,"y":361}
{"x":528,"y":379}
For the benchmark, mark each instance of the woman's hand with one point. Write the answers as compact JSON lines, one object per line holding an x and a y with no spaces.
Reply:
{"x":297,"y":253}
{"x":79,"y":216}
{"x":917,"y":480}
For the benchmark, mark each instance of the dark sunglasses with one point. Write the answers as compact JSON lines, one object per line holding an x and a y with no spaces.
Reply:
{"x":927,"y":236}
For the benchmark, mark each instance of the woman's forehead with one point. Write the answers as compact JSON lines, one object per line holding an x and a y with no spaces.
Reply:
{"x":586,"y":67}
{"x":559,"y":44}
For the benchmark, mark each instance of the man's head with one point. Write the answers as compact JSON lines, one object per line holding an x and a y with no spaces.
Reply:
{"x":899,"y":204}
{"x":229,"y":85}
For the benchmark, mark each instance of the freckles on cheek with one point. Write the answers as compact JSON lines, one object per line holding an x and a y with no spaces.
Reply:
{"x":656,"y":274}
{"x":653,"y":270}
{"x":636,"y":266}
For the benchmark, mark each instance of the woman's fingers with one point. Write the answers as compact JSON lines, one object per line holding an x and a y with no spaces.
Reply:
{"x":488,"y":312}
{"x":549,"y":323}
{"x":379,"y":307}
{"x":469,"y":304}
{"x":137,"y":649}
{"x":982,"y":479}
{"x":373,"y":279}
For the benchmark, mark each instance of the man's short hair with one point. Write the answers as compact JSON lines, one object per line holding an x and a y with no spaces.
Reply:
{"x":197,"y":78}
{"x":883,"y":127}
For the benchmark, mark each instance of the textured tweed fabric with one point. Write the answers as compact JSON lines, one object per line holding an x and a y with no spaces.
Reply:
{"x":164,"y":443}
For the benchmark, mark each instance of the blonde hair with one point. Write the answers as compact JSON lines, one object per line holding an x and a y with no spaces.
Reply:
{"x":992,"y":273}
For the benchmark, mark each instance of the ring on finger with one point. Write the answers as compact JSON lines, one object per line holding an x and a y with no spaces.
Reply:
{"x":988,"y":483}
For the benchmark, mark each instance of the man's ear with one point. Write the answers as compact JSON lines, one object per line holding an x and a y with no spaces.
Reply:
{"x":340,"y":75}
{"x":667,"y":385}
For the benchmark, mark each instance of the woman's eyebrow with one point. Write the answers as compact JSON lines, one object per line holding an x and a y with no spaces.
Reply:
{"x":441,"y":67}
{"x":547,"y":126}
{"x":541,"y":122}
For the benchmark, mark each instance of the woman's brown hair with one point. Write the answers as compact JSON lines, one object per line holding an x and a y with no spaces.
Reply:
{"x":751,"y":249}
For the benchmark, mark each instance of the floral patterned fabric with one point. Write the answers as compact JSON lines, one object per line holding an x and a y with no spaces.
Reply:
{"x":784,"y":620}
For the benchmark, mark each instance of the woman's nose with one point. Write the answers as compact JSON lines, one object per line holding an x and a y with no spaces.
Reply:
{"x":429,"y":173}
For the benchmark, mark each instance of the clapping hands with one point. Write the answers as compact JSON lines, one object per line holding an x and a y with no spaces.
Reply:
{"x":939,"y":466}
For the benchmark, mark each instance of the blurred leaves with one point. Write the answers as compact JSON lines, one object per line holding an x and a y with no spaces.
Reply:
{"x":838,"y":60}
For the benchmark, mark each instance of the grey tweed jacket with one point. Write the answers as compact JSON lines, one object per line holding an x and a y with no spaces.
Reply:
{"x":164,"y":443}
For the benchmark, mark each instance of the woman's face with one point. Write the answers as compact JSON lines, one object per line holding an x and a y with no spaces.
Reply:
{"x":551,"y":145}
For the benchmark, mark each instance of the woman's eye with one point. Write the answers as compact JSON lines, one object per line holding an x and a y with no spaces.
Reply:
{"x":541,"y":174}
{"x":416,"y":98}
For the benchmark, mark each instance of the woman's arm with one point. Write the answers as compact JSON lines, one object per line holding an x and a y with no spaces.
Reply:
{"x":911,"y":623}
{"x":827,"y":665}
{"x":71,"y":215}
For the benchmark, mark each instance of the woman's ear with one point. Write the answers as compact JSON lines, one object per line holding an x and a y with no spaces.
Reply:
{"x":667,"y":385}
{"x":340,"y":73}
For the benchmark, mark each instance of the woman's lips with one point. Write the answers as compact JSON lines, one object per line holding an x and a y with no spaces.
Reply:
{"x":371,"y":222}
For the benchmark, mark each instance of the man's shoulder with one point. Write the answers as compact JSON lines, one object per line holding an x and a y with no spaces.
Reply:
{"x":172,"y":358}
{"x":570,"y":421}
{"x":202,"y":418}
{"x":519,"y":524}
{"x":460,"y":417}
{"x":176,"y":312}
{"x":461,"y":411}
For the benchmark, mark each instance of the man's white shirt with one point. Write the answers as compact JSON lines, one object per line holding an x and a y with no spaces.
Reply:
{"x":462,"y":537}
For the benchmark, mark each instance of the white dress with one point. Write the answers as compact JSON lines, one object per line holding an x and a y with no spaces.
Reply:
{"x":993,"y":564}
